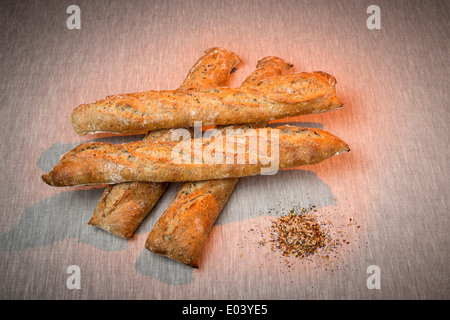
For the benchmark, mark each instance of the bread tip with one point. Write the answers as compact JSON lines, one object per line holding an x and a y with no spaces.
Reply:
{"x":52,"y":179}
{"x":334,"y":103}
{"x":337,"y":104}
{"x":79,"y":120}
{"x":46,"y":178}
{"x":345,"y":150}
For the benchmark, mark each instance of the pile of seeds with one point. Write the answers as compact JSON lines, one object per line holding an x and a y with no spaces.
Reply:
{"x":296,"y":234}
{"x":305,"y":234}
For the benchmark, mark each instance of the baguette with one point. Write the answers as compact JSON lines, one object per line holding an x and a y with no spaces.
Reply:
{"x":105,"y":163}
{"x":182,"y":230}
{"x":273,"y":98}
{"x":123,"y":206}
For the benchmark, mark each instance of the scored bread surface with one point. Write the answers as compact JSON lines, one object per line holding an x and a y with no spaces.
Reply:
{"x":104,"y":163}
{"x":122,"y":207}
{"x":273,"y":98}
{"x":182,"y":230}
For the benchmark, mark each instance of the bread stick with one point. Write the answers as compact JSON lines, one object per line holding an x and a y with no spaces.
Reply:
{"x":123,"y":207}
{"x":182,"y":230}
{"x":273,"y":98}
{"x":104,"y":163}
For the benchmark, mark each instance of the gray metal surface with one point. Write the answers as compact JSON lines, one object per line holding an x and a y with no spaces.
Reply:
{"x":394,"y":183}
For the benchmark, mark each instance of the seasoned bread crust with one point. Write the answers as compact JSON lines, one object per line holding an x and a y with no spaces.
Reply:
{"x":266,"y":68}
{"x":104,"y":163}
{"x":211,"y":70}
{"x":274,"y":98}
{"x":182,"y":230}
{"x":123,"y":207}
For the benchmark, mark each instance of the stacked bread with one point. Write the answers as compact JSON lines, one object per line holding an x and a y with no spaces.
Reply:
{"x":138,"y":173}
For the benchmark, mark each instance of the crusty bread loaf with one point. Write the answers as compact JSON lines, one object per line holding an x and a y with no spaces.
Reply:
{"x":273,"y":98}
{"x":123,"y":206}
{"x":104,"y":163}
{"x":182,"y":230}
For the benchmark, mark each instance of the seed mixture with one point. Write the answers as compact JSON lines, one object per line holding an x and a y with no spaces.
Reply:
{"x":300,"y":233}
{"x":296,"y":234}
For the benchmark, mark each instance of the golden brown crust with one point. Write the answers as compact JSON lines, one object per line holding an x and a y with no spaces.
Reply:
{"x":266,"y":68}
{"x":123,"y":207}
{"x":182,"y":230}
{"x":105,"y":163}
{"x":211,"y":70}
{"x":273,"y":98}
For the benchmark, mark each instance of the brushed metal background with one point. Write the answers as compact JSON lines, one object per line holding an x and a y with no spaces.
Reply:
{"x":394,"y":183}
